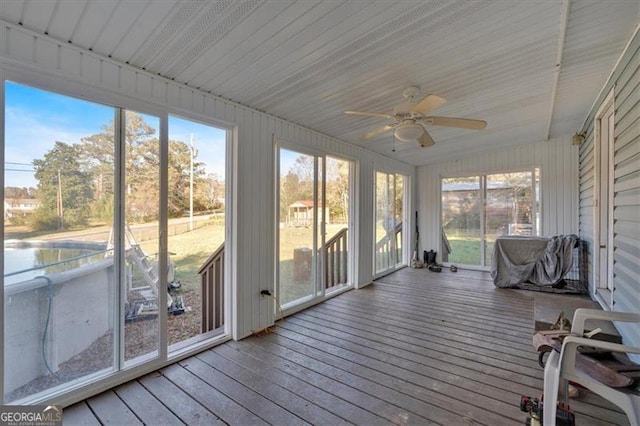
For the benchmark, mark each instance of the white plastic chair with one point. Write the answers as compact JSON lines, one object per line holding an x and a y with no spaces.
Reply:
{"x":561,"y":367}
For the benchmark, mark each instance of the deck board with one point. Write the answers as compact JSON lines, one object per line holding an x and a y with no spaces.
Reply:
{"x":145,"y":405}
{"x":211,"y":397}
{"x":178,"y":401}
{"x":416,"y":347}
{"x":109,"y":409}
{"x":79,"y":415}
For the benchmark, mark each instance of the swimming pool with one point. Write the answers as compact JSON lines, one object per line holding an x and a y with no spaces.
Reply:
{"x":24,"y":260}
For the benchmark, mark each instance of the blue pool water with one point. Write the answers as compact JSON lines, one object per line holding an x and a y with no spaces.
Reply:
{"x":24,"y":263}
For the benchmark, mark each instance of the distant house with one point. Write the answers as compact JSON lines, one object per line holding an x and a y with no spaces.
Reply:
{"x":301,"y":213}
{"x":19,"y":206}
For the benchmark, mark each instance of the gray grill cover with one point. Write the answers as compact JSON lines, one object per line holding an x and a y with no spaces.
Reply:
{"x":538,"y":260}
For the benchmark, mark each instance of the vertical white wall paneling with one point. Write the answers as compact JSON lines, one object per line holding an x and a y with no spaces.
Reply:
{"x":128,"y":81}
{"x":22,"y":45}
{"x":557,"y":159}
{"x":266,"y":307}
{"x":366,"y":182}
{"x":244,"y":283}
{"x":46,"y":52}
{"x":109,"y":72}
{"x":71,"y":62}
{"x":2,"y":159}
{"x":4,"y":40}
{"x":252,"y":224}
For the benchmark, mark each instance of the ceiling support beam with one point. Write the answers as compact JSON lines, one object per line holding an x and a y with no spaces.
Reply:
{"x":564,"y":21}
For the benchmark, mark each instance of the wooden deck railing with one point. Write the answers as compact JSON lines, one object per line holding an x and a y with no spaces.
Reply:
{"x":212,"y":279}
{"x":336,"y":255}
{"x":389,"y":246}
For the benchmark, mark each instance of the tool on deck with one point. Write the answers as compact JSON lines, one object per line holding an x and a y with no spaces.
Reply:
{"x":534,"y":406}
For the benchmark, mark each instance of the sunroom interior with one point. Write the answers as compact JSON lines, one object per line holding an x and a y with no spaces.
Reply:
{"x":203,"y":147}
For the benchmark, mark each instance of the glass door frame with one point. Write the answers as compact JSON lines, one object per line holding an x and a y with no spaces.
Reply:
{"x":407,"y":222}
{"x":319,"y":227}
{"x":536,"y":194}
{"x":206,"y":339}
{"x":319,"y":292}
{"x":72,"y":392}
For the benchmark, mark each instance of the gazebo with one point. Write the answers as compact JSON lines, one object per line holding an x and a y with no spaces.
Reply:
{"x":301,"y":213}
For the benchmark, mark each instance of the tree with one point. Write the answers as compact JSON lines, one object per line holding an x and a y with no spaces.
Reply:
{"x":16,"y":192}
{"x":210,"y":192}
{"x":141,"y":151}
{"x":64,"y":189}
{"x":288,"y":194}
{"x":142,"y":172}
{"x":179,"y":175}
{"x":304,"y":169}
{"x":338,"y":189}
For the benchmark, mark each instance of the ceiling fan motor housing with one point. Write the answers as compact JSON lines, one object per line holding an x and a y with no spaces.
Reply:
{"x":404,"y":111}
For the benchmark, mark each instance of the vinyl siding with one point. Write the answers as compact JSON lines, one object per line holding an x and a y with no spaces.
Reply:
{"x":625,"y":82}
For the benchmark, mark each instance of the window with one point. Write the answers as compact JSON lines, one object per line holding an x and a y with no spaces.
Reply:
{"x":478,"y":209}
{"x":83,"y":219}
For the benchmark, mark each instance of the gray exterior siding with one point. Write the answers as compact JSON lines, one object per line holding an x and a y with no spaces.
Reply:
{"x":625,"y":82}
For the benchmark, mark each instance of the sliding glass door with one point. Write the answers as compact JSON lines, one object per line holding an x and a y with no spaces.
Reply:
{"x":511,"y":207}
{"x":313,"y":223}
{"x":60,"y":288}
{"x":461,"y":219}
{"x":389,"y":215}
{"x":85,"y":293}
{"x":478,"y":209}
{"x":141,"y":217}
{"x":196,"y":232}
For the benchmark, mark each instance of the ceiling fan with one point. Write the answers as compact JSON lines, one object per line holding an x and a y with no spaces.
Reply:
{"x":410,"y":118}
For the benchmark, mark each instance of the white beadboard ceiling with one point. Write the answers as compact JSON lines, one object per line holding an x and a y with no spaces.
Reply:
{"x":532,"y":69}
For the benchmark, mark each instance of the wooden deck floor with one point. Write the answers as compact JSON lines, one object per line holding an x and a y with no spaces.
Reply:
{"x":414,"y":348}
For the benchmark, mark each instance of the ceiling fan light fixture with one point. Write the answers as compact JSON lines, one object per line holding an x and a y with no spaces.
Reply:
{"x":408,"y":132}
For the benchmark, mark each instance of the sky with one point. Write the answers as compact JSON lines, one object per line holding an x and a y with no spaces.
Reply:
{"x":35,"y":119}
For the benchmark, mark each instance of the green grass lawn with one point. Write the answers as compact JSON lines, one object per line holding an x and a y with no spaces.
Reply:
{"x":464,"y":250}
{"x":292,"y":238}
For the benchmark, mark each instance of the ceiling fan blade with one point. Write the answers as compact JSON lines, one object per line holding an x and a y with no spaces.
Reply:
{"x":429,"y":103}
{"x":425,"y":140}
{"x":462,"y":123}
{"x":370,"y":114}
{"x":376,"y":132}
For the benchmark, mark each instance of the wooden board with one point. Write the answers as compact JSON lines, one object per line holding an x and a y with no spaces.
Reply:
{"x":110,"y":409}
{"x":79,"y":414}
{"x":178,"y":401}
{"x":145,"y":405}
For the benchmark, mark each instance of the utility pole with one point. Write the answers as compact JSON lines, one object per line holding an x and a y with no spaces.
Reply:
{"x":192,"y":154}
{"x":59,"y":203}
